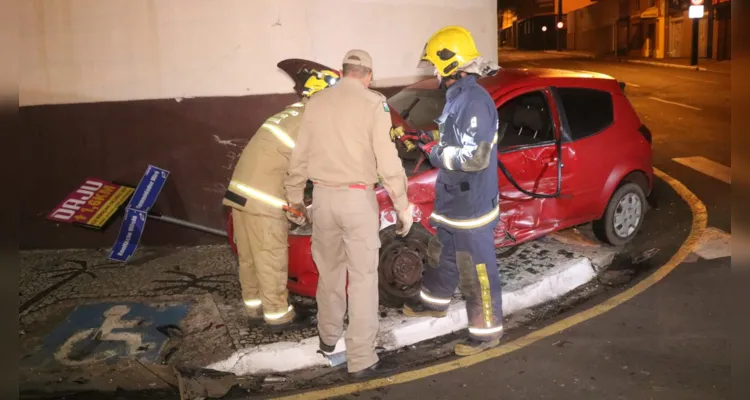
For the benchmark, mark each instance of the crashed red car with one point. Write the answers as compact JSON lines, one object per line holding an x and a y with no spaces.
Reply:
{"x":572,"y":151}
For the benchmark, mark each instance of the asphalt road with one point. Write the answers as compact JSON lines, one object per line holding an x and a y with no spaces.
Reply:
{"x":669,"y":342}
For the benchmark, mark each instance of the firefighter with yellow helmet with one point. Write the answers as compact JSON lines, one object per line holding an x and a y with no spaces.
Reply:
{"x":462,"y":254}
{"x":261,"y":227}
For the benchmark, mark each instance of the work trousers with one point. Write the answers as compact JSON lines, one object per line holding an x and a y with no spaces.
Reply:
{"x":263,"y":252}
{"x":345,"y":239}
{"x":466,"y":257}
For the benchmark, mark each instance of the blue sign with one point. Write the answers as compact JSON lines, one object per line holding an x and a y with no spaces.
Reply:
{"x":148,"y":189}
{"x":106,"y":332}
{"x":130,"y":234}
{"x":136,"y":213}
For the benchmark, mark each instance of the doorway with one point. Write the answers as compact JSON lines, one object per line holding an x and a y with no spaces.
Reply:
{"x":675,"y":37}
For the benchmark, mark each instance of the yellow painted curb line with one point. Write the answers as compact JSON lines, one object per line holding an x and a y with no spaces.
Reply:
{"x":699,"y":225}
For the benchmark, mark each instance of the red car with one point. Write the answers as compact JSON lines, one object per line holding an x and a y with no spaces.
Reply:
{"x":572,"y":151}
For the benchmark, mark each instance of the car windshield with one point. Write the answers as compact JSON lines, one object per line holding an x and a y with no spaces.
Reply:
{"x":428,"y":107}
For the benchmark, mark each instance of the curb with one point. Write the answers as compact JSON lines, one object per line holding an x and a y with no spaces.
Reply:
{"x":669,"y":65}
{"x":398,"y":331}
{"x":569,"y":53}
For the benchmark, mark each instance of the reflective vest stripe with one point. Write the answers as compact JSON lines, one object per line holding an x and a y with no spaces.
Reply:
{"x":253,"y":303}
{"x":275,"y":316}
{"x":258,"y":195}
{"x":468,"y":223}
{"x":484,"y":285}
{"x":434,"y":300}
{"x":280,"y":134}
{"x":485,"y":331}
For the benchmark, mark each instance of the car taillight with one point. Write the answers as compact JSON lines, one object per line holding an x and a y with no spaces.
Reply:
{"x":645,"y":132}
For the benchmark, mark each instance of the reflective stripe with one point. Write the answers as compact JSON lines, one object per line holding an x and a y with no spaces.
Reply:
{"x":486,"y":331}
{"x":468,"y":223}
{"x":253,"y":303}
{"x":258,"y":195}
{"x":448,"y":154}
{"x":484,"y":285}
{"x":298,"y":105}
{"x":280,"y":134}
{"x":494,"y":140}
{"x":434,"y":300}
{"x":273,"y":316}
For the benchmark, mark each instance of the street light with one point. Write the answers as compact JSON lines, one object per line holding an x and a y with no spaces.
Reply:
{"x":559,"y":25}
{"x":544,"y":29}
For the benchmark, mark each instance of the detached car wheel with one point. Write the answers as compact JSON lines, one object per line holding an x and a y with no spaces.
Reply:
{"x":402,"y":260}
{"x":623,"y":216}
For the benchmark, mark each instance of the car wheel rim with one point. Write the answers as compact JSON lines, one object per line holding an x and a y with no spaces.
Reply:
{"x":627,"y":215}
{"x":401,"y":267}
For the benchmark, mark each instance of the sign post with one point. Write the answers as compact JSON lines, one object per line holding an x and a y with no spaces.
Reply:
{"x":695,"y":12}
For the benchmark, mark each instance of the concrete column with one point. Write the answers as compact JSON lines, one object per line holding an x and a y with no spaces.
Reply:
{"x":661,"y":30}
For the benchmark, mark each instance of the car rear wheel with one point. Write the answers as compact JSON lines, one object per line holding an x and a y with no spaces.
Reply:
{"x":401,"y":264}
{"x":623,"y":216}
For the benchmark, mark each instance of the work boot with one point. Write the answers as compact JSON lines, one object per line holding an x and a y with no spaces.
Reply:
{"x":415,"y":308}
{"x":472,"y":346}
{"x":376,"y":370}
{"x":254,"y":316}
{"x":325,"y":348}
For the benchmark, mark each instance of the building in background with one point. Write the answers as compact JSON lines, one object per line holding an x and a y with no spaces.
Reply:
{"x":532,"y":24}
{"x":649,"y":29}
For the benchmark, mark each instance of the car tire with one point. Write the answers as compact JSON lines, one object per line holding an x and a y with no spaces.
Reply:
{"x":623,"y":216}
{"x":402,"y":260}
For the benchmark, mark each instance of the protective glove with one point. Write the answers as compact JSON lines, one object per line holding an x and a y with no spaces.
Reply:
{"x":300,"y":220}
{"x":405,"y":220}
{"x":428,"y":140}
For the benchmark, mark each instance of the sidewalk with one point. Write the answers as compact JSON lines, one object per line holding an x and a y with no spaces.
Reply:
{"x":704,"y":64}
{"x":87,"y":323}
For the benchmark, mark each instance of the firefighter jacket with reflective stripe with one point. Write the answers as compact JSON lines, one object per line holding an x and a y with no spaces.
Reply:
{"x":466,"y":192}
{"x":264,"y":163}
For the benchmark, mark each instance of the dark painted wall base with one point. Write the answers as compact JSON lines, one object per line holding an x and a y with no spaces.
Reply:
{"x":197,"y":140}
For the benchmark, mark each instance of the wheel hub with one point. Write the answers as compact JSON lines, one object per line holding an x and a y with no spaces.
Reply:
{"x":627,"y":215}
{"x":407,"y":267}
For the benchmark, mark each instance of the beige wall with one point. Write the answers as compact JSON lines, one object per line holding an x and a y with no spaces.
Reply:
{"x":92,"y":50}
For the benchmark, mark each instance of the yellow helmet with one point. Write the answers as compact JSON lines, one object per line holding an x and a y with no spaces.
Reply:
{"x":449,"y":49}
{"x":318,"y":81}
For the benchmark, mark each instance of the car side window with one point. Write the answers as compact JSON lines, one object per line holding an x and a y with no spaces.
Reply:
{"x":588,"y":111}
{"x":525,"y":120}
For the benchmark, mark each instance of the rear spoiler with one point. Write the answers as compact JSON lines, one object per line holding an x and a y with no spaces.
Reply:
{"x":622,"y":85}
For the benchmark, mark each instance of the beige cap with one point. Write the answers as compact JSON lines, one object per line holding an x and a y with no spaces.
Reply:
{"x":358,"y":57}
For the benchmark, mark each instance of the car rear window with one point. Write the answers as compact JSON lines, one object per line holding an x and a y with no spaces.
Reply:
{"x":589,"y":111}
{"x":428,"y":107}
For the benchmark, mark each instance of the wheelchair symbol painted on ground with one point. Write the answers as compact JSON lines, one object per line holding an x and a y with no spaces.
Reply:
{"x":107,"y":332}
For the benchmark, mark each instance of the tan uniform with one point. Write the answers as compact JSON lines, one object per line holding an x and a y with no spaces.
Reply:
{"x":345,"y":140}
{"x":261,"y":230}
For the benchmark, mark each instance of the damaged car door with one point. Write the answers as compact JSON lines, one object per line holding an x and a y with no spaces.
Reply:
{"x":530,"y":153}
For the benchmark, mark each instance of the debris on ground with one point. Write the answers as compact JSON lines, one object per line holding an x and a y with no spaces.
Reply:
{"x":616,"y":277}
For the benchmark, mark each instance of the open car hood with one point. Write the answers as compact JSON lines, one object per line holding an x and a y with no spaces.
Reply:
{"x":293,"y":66}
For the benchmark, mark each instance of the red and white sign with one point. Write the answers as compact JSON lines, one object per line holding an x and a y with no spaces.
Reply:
{"x":696,"y":2}
{"x":92,"y":204}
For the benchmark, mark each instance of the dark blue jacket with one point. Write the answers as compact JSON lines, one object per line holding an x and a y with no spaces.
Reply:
{"x":466,"y":193}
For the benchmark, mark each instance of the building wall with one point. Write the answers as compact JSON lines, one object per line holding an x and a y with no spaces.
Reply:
{"x":594,"y":28}
{"x":110,"y":87}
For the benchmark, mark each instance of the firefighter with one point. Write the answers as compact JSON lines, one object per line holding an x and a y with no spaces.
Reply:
{"x":344,"y":145}
{"x":466,"y":211}
{"x":261,"y":228}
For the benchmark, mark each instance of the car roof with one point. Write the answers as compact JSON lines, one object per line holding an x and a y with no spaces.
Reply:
{"x":507,"y":78}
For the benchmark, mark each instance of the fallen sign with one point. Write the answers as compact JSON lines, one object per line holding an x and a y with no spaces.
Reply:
{"x":139,"y":208}
{"x":92,"y":204}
